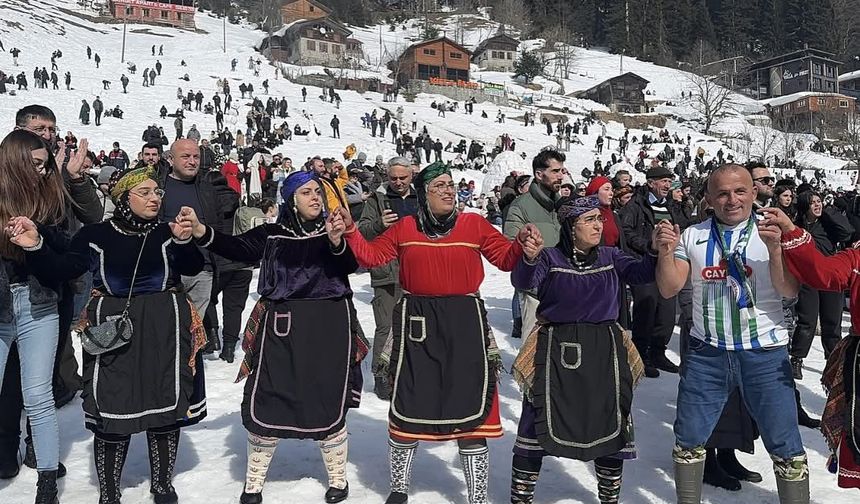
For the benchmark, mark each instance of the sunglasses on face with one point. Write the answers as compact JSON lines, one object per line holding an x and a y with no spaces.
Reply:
{"x":765,"y":180}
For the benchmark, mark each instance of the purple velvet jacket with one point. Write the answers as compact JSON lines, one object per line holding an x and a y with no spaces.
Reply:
{"x":291,"y":267}
{"x":569,"y":295}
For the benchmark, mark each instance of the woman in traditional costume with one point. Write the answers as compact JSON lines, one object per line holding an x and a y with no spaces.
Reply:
{"x":302,"y":348}
{"x":575,"y":366}
{"x":153,"y":380}
{"x":840,"y":422}
{"x":441,"y":356}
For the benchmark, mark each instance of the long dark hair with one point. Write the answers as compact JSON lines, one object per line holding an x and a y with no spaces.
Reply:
{"x":25,"y":191}
{"x":804,"y":203}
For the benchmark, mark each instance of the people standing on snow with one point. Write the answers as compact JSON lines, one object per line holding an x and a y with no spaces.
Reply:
{"x":442,"y":302}
{"x":68,"y":81}
{"x":84,"y":115}
{"x":97,"y":59}
{"x":98,"y":108}
{"x":126,"y":387}
{"x":595,"y":426}
{"x":335,"y":127}
{"x":15,"y":52}
{"x":124,"y":81}
{"x":314,"y":306}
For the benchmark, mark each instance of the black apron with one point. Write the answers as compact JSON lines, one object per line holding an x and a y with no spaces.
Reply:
{"x":583,"y":391}
{"x":147,"y":383}
{"x":303,"y":378}
{"x":443,"y":381}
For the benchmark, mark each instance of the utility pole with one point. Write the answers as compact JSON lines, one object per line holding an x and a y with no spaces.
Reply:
{"x":224,"y":30}
{"x":124,"y":22}
{"x":621,"y":69}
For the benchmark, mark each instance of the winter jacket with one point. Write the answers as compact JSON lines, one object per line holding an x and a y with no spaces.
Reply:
{"x":637,"y":222}
{"x":370,"y":226}
{"x":829,"y":230}
{"x":534,"y":207}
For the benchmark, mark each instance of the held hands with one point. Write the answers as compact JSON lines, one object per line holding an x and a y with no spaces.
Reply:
{"x":181,"y":229}
{"x":775,"y":217}
{"x":336,"y":225}
{"x":22,"y":232}
{"x":665,"y":237}
{"x":187,"y":220}
{"x":531,"y":241}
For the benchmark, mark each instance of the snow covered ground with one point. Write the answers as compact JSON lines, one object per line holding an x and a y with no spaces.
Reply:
{"x":211,"y":463}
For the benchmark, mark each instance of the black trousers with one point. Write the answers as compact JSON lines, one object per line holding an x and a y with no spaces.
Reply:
{"x":812,"y":305}
{"x":653,"y":320}
{"x":66,"y":379}
{"x":234,"y":287}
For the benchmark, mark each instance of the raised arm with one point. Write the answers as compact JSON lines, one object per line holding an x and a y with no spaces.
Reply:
{"x":634,"y":271}
{"x":805,"y":262}
{"x":246,"y":247}
{"x":673,"y":266}
{"x":377,"y":252}
{"x":528,"y":275}
{"x":498,"y":249}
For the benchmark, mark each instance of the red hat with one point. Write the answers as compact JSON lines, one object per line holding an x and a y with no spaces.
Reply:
{"x":596,"y":184}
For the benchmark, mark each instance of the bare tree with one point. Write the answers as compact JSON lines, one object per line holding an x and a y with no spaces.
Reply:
{"x":760,"y":140}
{"x":710,"y":99}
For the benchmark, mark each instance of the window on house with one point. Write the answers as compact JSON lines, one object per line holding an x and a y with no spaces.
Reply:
{"x":816,"y":83}
{"x":822,"y":101}
{"x":510,"y":55}
{"x":311,"y":8}
{"x":455,"y":55}
{"x":129,"y":11}
{"x":164,"y":14}
{"x":843,"y":103}
{"x":145,"y":12}
{"x":816,"y":69}
{"x":829,"y":85}
{"x":179,"y":16}
{"x":830,"y":70}
{"x":430,"y":52}
{"x":801,"y":103}
{"x":312,"y":46}
{"x":323,"y":47}
{"x":335,"y":49}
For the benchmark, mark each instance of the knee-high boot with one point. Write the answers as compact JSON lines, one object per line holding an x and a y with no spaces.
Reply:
{"x":608,"y":472}
{"x":260,"y":452}
{"x":689,"y":471}
{"x":476,"y":469}
{"x":334,"y":451}
{"x":400,"y":457}
{"x":792,"y":479}
{"x":110,"y":458}
{"x":162,"y":459}
{"x":524,"y":476}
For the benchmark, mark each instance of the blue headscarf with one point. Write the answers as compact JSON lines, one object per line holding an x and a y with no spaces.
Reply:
{"x":288,"y":214}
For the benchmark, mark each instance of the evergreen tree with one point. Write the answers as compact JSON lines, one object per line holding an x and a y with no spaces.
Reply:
{"x":529,"y":65}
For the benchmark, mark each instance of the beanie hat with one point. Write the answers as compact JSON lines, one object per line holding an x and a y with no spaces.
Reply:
{"x":596,"y":184}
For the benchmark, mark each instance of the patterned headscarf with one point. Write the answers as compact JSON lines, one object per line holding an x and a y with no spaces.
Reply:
{"x":571,"y":208}
{"x":121,"y":182}
{"x":428,"y":223}
{"x":288,"y":215}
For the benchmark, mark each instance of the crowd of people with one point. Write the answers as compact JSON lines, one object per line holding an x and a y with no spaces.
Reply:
{"x":747,"y":264}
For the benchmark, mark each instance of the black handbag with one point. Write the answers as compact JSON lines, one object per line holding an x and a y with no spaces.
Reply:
{"x":116,"y":331}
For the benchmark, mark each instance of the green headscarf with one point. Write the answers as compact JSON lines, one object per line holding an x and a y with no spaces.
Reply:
{"x":428,"y":223}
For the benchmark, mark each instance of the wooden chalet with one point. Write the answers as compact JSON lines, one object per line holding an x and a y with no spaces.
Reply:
{"x":497,"y":54}
{"x":298,"y":10}
{"x":806,"y":70}
{"x":437,"y":58}
{"x":623,"y":93}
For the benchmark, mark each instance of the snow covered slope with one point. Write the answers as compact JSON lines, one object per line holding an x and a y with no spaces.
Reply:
{"x":211,"y":463}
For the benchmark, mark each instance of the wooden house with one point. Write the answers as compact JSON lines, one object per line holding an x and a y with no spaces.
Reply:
{"x":321,"y":41}
{"x":806,"y":70}
{"x":437,"y":58}
{"x":303,"y":10}
{"x":179,"y":13}
{"x":497,"y":54}
{"x":622,"y":93}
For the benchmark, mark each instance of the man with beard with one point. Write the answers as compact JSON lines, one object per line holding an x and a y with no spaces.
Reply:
{"x":537,"y":207}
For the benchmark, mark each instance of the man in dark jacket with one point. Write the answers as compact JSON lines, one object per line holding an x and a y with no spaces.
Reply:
{"x":653,"y":316}
{"x":83,"y":207}
{"x":207,"y":156}
{"x":389,"y":203}
{"x":118,"y":157}
{"x":98,"y":108}
{"x":210,"y":197}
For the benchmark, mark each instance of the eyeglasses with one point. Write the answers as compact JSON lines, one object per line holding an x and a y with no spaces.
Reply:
{"x":765,"y":180}
{"x":149,"y":193}
{"x":587,"y":221}
{"x":442,"y":188}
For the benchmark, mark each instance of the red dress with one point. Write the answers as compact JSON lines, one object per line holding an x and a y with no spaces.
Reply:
{"x":836,"y":273}
{"x":448,"y":266}
{"x":230,"y":170}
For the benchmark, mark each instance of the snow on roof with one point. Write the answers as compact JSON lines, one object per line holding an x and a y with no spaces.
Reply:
{"x":849,"y":76}
{"x":782,"y":100}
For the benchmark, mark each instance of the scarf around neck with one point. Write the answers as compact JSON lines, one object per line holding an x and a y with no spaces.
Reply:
{"x":733,"y":260}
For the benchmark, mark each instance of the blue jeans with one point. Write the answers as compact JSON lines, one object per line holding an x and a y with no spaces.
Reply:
{"x":35,"y":329}
{"x":708,"y":377}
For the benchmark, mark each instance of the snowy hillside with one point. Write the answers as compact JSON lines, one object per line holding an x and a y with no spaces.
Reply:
{"x":211,"y":463}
